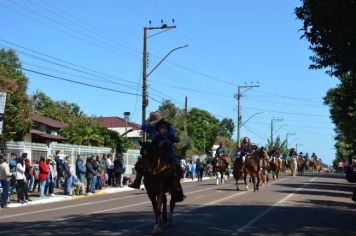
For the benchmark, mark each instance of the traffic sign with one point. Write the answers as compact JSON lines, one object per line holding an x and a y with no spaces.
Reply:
{"x":2,"y":109}
{"x":2,"y":102}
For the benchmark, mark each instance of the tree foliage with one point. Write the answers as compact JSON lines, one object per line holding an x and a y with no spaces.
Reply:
{"x":342,"y":103}
{"x":203,"y":127}
{"x":330,"y":26}
{"x":81,"y":129}
{"x":226,"y":128}
{"x":17,"y":122}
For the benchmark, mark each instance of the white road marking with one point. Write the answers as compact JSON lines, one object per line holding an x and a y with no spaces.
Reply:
{"x":265,"y":212}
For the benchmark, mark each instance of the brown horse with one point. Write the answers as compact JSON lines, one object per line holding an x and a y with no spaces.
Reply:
{"x":238,"y":170}
{"x":254,"y":163}
{"x":275,"y":167}
{"x":302,"y":163}
{"x":220,"y":167}
{"x":314,"y":165}
{"x":158,"y":181}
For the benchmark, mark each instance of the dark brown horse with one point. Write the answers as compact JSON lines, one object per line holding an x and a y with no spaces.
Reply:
{"x":275,"y":167}
{"x":301,"y":163}
{"x":238,"y":171}
{"x":253,"y":164}
{"x":158,"y":180}
{"x":220,"y":166}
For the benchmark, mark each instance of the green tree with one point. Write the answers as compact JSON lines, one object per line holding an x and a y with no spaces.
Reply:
{"x":343,"y":150}
{"x":17,"y":122}
{"x":342,"y":103}
{"x":226,"y":128}
{"x":203,"y":128}
{"x":58,"y":110}
{"x":330,"y":26}
{"x":278,"y":143}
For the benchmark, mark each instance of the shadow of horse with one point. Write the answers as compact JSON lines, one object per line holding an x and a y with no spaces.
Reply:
{"x":158,"y":181}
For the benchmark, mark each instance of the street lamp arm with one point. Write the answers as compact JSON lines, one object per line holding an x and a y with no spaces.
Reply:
{"x":250,"y":118}
{"x":165,"y":58}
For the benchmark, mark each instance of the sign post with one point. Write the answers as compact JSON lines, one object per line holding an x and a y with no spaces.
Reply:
{"x":2,"y":109}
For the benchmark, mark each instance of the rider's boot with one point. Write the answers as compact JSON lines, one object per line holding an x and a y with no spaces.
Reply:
{"x":177,"y":190}
{"x":137,"y":182}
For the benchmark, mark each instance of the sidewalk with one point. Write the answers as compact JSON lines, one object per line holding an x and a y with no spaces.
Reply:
{"x":61,"y":198}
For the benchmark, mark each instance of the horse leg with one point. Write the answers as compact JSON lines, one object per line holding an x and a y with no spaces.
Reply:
{"x":253,"y":182}
{"x":164,"y":210}
{"x":245,"y":176}
{"x":157,"y":229}
{"x":170,"y":214}
{"x":237,"y":183}
{"x":258,"y":182}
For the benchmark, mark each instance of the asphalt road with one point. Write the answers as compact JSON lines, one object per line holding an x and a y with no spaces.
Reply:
{"x":303,"y":205}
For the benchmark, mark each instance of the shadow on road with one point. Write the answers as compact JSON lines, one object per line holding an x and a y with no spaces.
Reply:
{"x":208,"y":220}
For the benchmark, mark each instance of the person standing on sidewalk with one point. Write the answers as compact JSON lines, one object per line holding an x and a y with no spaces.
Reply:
{"x":29,"y":171}
{"x":79,"y":168}
{"x":67,"y":177}
{"x":199,"y":170}
{"x":110,"y":170}
{"x":119,"y":170}
{"x":21,"y":180}
{"x":89,"y":173}
{"x":42,"y":177}
{"x":5,"y":176}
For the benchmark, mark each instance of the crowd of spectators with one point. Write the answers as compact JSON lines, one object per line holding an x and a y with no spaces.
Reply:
{"x":54,"y":175}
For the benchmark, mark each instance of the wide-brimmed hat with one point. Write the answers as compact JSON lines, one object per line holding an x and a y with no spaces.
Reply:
{"x":155,"y":117}
{"x":300,"y":153}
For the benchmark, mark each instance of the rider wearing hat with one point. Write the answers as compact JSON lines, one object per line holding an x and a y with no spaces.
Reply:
{"x":162,"y":134}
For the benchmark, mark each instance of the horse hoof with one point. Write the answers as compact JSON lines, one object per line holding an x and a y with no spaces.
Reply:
{"x":169,"y":222}
{"x":156,"y":230}
{"x":246,"y":187}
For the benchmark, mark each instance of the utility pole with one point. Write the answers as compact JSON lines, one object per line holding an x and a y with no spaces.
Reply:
{"x":185,"y":115}
{"x":296,"y":146}
{"x":144,"y":69}
{"x":238,"y":97}
{"x":288,"y":134}
{"x":272,"y":120}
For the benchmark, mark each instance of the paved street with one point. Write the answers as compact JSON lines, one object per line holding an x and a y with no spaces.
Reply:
{"x":304,"y":205}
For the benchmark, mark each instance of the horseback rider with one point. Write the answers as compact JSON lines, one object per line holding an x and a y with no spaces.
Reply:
{"x":292,"y":153}
{"x":220,"y":153}
{"x":162,"y":135}
{"x":314,"y":157}
{"x":246,"y":148}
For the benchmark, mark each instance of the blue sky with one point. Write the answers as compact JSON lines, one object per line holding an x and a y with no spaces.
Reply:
{"x":230,"y":43}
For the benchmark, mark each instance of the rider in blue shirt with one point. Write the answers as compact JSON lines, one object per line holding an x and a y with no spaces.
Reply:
{"x":162,"y":135}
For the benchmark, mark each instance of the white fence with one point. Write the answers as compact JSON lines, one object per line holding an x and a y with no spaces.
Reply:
{"x":36,"y":150}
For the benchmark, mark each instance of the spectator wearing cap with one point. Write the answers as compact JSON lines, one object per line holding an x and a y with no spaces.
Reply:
{"x":20,"y":180}
{"x":42,"y":177}
{"x":5,"y":176}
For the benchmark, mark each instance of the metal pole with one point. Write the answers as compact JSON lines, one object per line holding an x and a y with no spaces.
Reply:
{"x":144,"y":80}
{"x":238,"y":116}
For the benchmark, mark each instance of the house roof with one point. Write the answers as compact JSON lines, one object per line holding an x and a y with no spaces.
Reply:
{"x":47,"y":136}
{"x":117,"y":122}
{"x":48,"y":121}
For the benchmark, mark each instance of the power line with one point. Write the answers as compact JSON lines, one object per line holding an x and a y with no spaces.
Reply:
{"x":287,"y":97}
{"x":78,"y":82}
